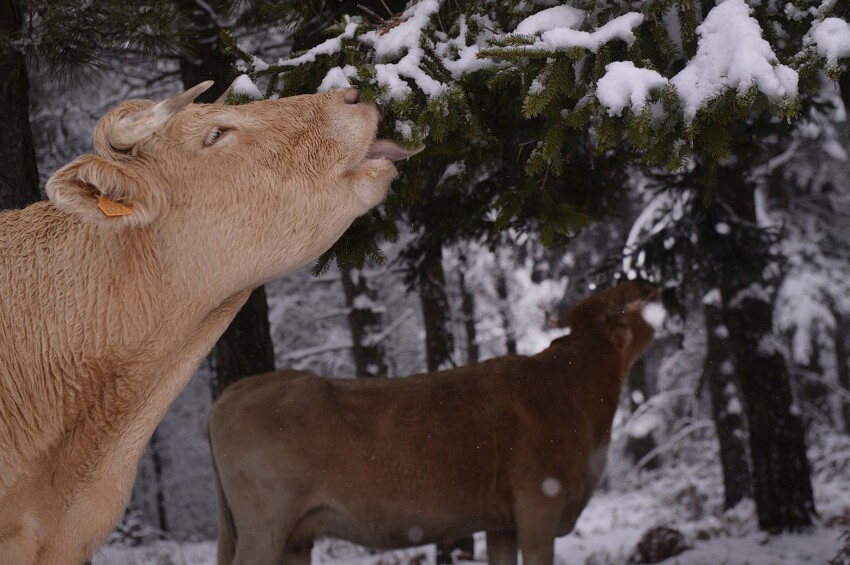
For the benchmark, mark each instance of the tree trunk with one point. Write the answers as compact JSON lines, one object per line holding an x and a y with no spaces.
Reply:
{"x":727,"y":411}
{"x":246,"y":346}
{"x":467,"y":308}
{"x":19,"y":173}
{"x":156,"y":458}
{"x":781,"y":476}
{"x":842,"y":364}
{"x":439,"y":342}
{"x":504,"y":306}
{"x":365,"y":324}
{"x":782,"y":487}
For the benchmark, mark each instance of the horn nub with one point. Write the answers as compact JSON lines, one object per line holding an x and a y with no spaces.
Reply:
{"x":130,"y":130}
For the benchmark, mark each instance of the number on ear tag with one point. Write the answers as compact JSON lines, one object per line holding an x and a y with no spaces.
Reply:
{"x":111,"y":208}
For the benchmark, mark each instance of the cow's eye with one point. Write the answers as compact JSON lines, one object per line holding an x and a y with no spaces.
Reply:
{"x":213,"y":136}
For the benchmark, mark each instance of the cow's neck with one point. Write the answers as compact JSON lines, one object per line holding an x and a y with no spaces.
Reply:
{"x":130,"y":338}
{"x":598,"y":378}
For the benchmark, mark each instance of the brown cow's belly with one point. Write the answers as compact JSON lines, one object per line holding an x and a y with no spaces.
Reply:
{"x":390,"y":531}
{"x":396,"y":525}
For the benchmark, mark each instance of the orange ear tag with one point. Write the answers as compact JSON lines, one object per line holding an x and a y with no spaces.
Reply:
{"x":111,"y":208}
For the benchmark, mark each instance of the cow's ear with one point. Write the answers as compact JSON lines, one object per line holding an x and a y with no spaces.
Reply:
{"x":104,"y":192}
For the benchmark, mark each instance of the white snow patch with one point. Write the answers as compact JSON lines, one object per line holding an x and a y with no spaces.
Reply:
{"x":731,"y":53}
{"x":363,"y":302}
{"x":832,"y":39}
{"x":654,"y":315}
{"x":623,"y":85}
{"x":756,"y":291}
{"x":328,"y":47}
{"x":712,"y":297}
{"x":637,"y":397}
{"x":563,"y":38}
{"x":722,"y":228}
{"x":452,"y":170}
{"x":551,"y":18}
{"x":834,"y":149}
{"x":337,"y":77}
{"x":405,"y":128}
{"x":734,"y":406}
{"x":245,"y":86}
{"x":407,"y":34}
{"x":466,"y":59}
{"x":390,"y":74}
{"x":643,"y":425}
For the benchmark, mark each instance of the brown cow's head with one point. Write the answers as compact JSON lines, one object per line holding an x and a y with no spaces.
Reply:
{"x":626,"y":315}
{"x":260,"y":188}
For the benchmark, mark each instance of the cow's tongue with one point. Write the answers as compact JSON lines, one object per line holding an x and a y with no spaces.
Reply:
{"x":384,"y":148}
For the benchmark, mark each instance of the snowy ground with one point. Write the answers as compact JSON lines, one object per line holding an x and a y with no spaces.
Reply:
{"x":608,"y":531}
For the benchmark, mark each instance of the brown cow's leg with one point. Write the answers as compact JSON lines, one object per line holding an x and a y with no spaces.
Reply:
{"x":502,"y":548}
{"x":537,"y":523}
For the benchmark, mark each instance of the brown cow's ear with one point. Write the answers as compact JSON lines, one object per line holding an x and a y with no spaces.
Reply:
{"x":104,"y":192}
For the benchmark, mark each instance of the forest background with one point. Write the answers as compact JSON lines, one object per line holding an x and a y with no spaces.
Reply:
{"x":565,"y":151}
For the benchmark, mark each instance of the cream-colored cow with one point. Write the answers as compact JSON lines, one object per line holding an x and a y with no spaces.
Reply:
{"x":113,"y":291}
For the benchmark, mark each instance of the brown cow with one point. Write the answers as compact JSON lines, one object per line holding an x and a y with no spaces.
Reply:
{"x":114,"y":290}
{"x":513,"y":446}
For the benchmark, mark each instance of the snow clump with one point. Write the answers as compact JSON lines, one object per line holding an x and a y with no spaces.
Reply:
{"x":245,"y":86}
{"x":654,"y":315}
{"x":626,"y":85}
{"x":832,"y":39}
{"x":731,"y":53}
{"x":551,"y":18}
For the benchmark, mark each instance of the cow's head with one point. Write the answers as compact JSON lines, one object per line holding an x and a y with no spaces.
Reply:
{"x":262,"y":187}
{"x":627,"y":315}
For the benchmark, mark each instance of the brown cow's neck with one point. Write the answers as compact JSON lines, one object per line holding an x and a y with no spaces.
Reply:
{"x":599,"y":391}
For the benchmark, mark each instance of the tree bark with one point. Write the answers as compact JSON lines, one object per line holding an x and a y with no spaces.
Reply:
{"x":156,"y":457}
{"x":727,"y":411}
{"x":246,"y":346}
{"x":467,"y":308}
{"x":782,"y":487}
{"x":781,"y":476}
{"x":365,"y":324}
{"x":439,"y":341}
{"x":19,"y":173}
{"x":504,"y":306}
{"x":842,"y":364}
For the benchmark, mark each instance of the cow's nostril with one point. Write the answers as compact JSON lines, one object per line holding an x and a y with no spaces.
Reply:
{"x":351,"y":96}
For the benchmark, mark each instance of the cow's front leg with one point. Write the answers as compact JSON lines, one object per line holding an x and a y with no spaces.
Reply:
{"x":502,"y":547}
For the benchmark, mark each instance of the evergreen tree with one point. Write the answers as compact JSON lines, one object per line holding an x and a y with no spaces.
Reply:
{"x":534,"y":116}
